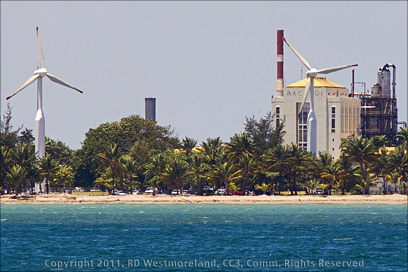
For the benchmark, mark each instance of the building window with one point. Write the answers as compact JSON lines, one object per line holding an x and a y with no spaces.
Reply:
{"x":277,"y":112}
{"x":302,"y":126}
{"x":333,"y":120}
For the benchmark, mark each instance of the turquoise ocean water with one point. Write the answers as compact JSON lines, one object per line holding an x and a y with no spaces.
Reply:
{"x":207,"y":237}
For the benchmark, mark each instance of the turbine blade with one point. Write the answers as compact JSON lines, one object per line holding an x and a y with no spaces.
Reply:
{"x":305,"y":94}
{"x":60,"y":81}
{"x":28,"y":82}
{"x":302,"y":59}
{"x":40,"y":51}
{"x":334,"y":69}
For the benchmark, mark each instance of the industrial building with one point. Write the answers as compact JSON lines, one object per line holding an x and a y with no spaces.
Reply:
{"x":340,"y":114}
{"x":379,"y":114}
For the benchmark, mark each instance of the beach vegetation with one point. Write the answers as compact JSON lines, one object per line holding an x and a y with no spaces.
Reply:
{"x":135,"y":154}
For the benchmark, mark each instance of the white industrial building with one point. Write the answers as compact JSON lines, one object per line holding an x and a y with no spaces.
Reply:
{"x":337,"y":114}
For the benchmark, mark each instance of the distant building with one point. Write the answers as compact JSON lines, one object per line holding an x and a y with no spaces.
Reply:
{"x":150,"y":108}
{"x":337,"y":114}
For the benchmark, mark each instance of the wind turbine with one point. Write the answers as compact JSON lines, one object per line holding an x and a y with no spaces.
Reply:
{"x":39,"y":119}
{"x":311,"y":118}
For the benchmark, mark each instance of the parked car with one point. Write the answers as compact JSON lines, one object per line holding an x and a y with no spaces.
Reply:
{"x":318,"y":192}
{"x":150,"y":191}
{"x":175,"y":192}
{"x":136,"y":192}
{"x":220,"y":192}
{"x":119,"y":192}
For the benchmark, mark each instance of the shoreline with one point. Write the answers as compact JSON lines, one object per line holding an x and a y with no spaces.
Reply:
{"x":171,"y":199}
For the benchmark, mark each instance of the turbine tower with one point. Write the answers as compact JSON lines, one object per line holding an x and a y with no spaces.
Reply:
{"x":311,"y":118}
{"x":39,"y":119}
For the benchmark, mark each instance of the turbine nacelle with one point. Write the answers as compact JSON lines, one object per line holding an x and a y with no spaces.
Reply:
{"x":312,"y":72}
{"x":42,"y":72}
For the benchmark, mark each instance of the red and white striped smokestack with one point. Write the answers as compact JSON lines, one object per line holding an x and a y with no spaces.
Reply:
{"x":279,"y":81}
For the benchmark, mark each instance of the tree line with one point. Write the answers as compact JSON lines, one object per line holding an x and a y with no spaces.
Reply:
{"x":135,"y":153}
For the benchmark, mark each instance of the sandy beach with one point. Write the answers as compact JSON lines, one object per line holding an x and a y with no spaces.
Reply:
{"x":170,"y":199}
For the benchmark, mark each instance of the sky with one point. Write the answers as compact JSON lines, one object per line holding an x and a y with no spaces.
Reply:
{"x":208,"y":64}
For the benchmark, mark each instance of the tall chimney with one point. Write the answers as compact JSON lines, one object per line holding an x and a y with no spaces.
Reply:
{"x":279,"y":80}
{"x":150,"y":108}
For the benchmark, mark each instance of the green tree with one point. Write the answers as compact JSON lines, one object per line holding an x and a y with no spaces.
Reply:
{"x":26,"y":136}
{"x":188,"y":145}
{"x":334,"y":173}
{"x":124,"y":133}
{"x":264,"y":187}
{"x":351,"y":174}
{"x":16,"y":176}
{"x":64,"y":176}
{"x":212,"y":151}
{"x":311,"y":185}
{"x":177,"y":172}
{"x":299,"y":162}
{"x":361,"y":151}
{"x":262,"y":132}
{"x":154,"y":171}
{"x":8,"y":136}
{"x":397,"y":160}
{"x":224,"y":172}
{"x":130,"y":170}
{"x":365,"y":184}
{"x":401,"y":136}
{"x":110,"y":159}
{"x":240,"y":145}
{"x":247,"y":167}
{"x":233,"y":187}
{"x":48,"y":169}
{"x":278,"y":160}
{"x":58,"y":150}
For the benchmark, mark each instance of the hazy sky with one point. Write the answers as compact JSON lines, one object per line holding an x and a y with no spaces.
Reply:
{"x":208,"y":64}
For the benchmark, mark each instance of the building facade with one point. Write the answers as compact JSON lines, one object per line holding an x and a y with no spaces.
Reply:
{"x":337,"y":114}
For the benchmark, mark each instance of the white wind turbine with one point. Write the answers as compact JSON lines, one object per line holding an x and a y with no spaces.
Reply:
{"x":39,"y":119}
{"x":311,"y":118}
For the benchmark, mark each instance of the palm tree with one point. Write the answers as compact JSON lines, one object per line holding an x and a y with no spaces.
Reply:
{"x":110,"y":159}
{"x":247,"y":166}
{"x":224,"y":173}
{"x":5,"y":162}
{"x":16,"y":176}
{"x":312,"y":184}
{"x":365,"y":184}
{"x":397,"y":160}
{"x":264,"y":187}
{"x":334,"y":173}
{"x":48,"y":168}
{"x":24,"y":155}
{"x":130,"y":170}
{"x":394,"y":178}
{"x":177,"y":173}
{"x":350,"y":171}
{"x":154,"y":170}
{"x":361,"y":151}
{"x":381,"y":141}
{"x":401,"y":136}
{"x":212,"y":150}
{"x":240,"y":145}
{"x":299,"y":162}
{"x":64,"y":176}
{"x":277,"y":160}
{"x":188,"y":145}
{"x":233,"y":187}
